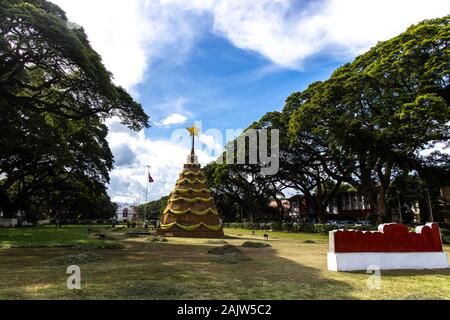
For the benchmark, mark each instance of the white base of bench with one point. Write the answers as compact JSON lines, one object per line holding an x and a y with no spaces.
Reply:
{"x":386,"y":261}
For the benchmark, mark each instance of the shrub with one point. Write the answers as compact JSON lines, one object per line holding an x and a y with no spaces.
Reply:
{"x":249,"y":225}
{"x":445,"y":232}
{"x":274,"y":225}
{"x":323,"y":228}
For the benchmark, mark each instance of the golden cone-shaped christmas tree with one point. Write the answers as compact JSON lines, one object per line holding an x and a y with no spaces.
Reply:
{"x":190,"y":211}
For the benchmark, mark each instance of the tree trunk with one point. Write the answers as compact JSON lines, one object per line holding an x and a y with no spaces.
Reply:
{"x":381,"y":206}
{"x":320,"y":211}
{"x":384,"y":177}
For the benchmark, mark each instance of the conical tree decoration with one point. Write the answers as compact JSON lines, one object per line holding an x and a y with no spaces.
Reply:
{"x":190,"y":211}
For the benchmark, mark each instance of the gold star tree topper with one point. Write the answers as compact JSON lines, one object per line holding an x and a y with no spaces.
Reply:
{"x":193,"y":131}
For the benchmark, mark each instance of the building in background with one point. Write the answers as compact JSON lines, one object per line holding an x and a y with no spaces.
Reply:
{"x":349,"y":205}
{"x":125,"y":212}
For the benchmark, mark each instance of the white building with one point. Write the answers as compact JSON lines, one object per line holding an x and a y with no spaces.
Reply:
{"x":125,"y":211}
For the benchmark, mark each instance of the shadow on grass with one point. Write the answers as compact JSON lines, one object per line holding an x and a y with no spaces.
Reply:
{"x":408,"y":272}
{"x":169,"y":271}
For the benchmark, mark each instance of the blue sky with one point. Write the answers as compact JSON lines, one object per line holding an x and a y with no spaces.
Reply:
{"x":222,"y":86}
{"x":223,"y":62}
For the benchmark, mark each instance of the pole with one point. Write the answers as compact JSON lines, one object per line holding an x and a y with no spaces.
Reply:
{"x":146,"y":195}
{"x":399,"y":207}
{"x":429,"y":205}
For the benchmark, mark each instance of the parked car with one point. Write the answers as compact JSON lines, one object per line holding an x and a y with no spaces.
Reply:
{"x":345,"y":223}
{"x":332,"y":222}
{"x":363,"y":223}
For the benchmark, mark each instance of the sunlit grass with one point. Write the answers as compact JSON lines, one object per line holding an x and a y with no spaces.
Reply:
{"x":48,"y":236}
{"x":182,"y":269}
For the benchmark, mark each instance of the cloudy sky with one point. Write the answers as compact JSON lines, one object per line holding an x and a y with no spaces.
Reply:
{"x":222,"y":62}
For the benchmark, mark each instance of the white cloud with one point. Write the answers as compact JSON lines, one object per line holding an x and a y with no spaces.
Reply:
{"x":287,"y":32}
{"x":165,"y":157}
{"x":131,"y":34}
{"x":174,"y":118}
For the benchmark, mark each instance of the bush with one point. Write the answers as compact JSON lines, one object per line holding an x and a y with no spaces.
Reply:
{"x":274,"y":225}
{"x":296,"y":228}
{"x":249,"y":225}
{"x":445,"y":232}
{"x":287,"y":226}
{"x":323,"y":228}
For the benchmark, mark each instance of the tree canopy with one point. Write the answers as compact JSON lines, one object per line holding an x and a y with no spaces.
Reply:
{"x":385,"y":113}
{"x":54,"y":95}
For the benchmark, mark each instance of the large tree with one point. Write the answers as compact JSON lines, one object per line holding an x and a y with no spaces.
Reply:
{"x":386,"y":108}
{"x":54,"y":95}
{"x":240,"y":191}
{"x":307,"y":164}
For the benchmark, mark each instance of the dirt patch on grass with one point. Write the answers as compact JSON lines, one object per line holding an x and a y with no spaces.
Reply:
{"x":82,"y":258}
{"x":150,"y":290}
{"x":229,"y":254}
{"x":254,"y":244}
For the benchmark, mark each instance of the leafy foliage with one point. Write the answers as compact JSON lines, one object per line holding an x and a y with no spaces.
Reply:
{"x":54,"y":95}
{"x":384,"y":115}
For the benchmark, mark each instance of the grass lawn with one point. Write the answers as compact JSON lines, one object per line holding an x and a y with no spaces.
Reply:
{"x":182,"y":269}
{"x":50,"y":236}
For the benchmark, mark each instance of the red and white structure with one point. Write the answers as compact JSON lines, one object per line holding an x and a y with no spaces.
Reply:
{"x":393,"y":246}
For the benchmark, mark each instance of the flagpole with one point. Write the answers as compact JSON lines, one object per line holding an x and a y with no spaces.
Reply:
{"x":146,"y":195}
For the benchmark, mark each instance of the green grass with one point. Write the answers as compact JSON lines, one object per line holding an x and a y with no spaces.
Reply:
{"x":182,"y":269}
{"x":301,"y":236}
{"x":50,"y":236}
